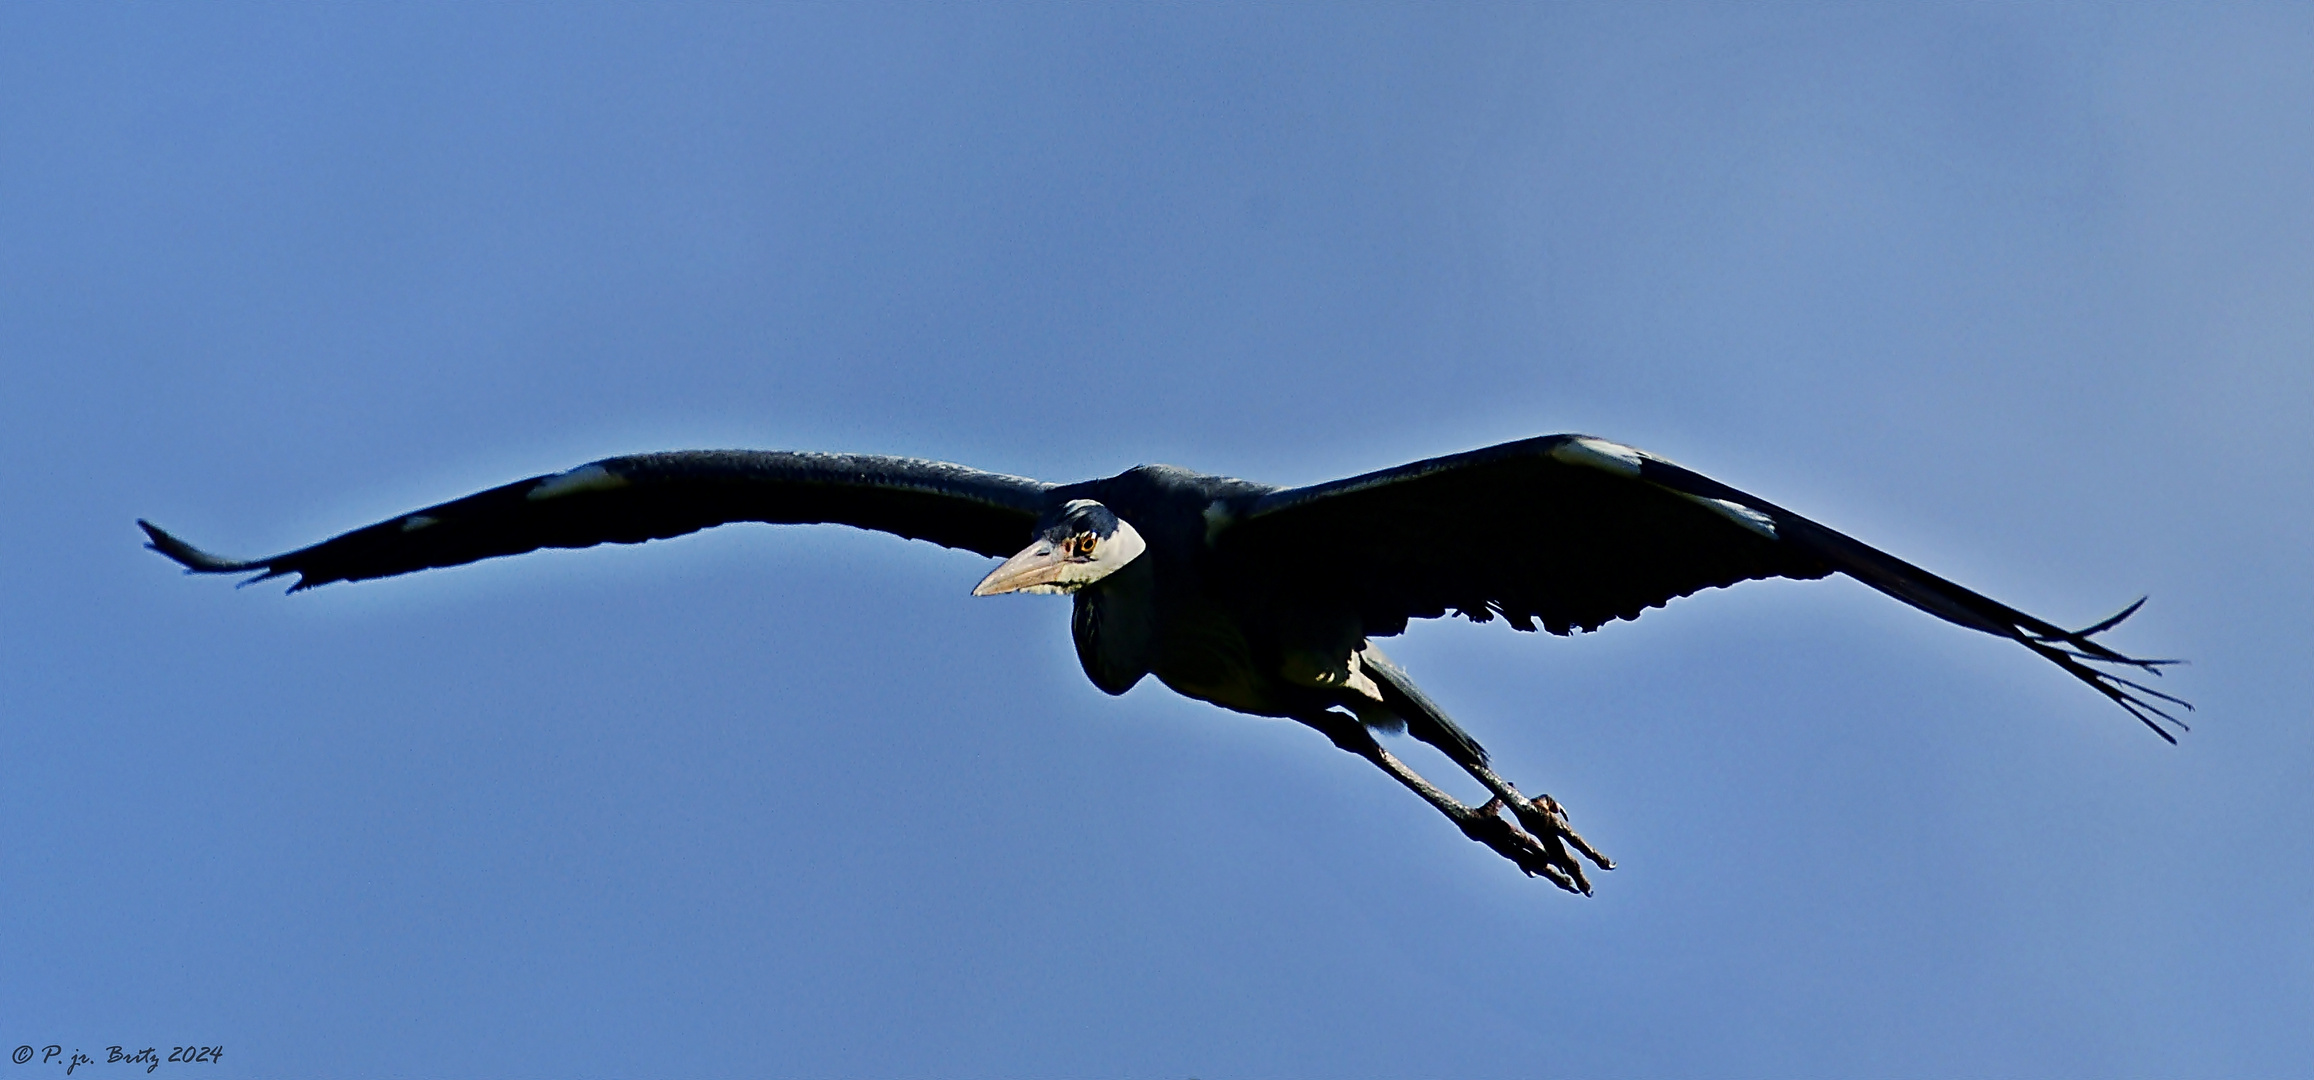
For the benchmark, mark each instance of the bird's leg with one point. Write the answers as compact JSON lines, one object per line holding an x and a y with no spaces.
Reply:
{"x":1484,"y":824}
{"x":1543,"y":816}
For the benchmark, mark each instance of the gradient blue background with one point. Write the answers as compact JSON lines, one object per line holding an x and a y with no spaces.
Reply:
{"x":2024,"y":294}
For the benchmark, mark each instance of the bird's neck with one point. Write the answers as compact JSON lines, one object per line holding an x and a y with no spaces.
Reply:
{"x":1115,"y":626}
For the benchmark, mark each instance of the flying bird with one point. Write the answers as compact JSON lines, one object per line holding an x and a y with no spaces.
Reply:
{"x":1259,"y":599}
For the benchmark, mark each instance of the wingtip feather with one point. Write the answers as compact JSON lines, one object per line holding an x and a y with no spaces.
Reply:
{"x":2116,"y":688}
{"x":193,"y":559}
{"x":2114,"y":621}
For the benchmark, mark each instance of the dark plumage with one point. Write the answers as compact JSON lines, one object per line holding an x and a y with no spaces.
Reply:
{"x":1255,"y":598}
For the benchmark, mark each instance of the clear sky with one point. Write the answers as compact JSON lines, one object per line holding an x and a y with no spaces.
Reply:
{"x":2024,"y":294}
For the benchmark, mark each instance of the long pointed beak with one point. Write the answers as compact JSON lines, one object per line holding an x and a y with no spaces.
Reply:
{"x":1040,"y":563}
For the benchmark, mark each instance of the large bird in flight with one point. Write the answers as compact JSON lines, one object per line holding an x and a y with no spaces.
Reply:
{"x":1259,"y":599}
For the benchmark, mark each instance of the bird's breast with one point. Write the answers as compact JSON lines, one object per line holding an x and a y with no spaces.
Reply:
{"x":1204,"y":654}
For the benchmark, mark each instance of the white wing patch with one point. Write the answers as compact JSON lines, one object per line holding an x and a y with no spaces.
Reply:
{"x":1624,"y":461}
{"x":583,"y":478}
{"x":1599,"y":454}
{"x":415,"y":522}
{"x":1738,"y":513}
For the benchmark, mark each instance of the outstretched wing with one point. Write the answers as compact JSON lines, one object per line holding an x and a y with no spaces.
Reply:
{"x":1572,"y":531}
{"x":627,"y":500}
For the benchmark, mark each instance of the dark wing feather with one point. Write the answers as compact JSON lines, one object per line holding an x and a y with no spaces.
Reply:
{"x":1572,"y":532}
{"x":1508,"y":530}
{"x":626,"y":500}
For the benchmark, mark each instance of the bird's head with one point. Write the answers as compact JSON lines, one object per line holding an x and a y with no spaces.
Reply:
{"x":1080,"y":543}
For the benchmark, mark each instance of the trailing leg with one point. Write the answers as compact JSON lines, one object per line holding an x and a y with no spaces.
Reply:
{"x":1484,"y":824}
{"x":1542,"y":815}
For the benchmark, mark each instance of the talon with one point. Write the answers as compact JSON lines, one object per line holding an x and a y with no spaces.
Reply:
{"x":1559,"y":878}
{"x":1543,"y":816}
{"x":1539,"y":853}
{"x":1536,"y":857}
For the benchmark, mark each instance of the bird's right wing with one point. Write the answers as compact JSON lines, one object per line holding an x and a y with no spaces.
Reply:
{"x":1572,"y":531}
{"x":627,"y":500}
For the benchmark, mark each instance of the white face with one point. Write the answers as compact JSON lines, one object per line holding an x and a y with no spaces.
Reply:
{"x":1088,"y":544}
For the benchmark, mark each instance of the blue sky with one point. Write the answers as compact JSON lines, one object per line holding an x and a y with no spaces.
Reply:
{"x":2024,"y":294}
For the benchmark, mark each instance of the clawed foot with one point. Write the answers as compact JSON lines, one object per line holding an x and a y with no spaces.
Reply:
{"x":1540,"y":846}
{"x":1535,"y":838}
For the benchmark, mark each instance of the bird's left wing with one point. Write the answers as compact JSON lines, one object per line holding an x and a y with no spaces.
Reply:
{"x":1574,"y":531}
{"x":627,"y":500}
